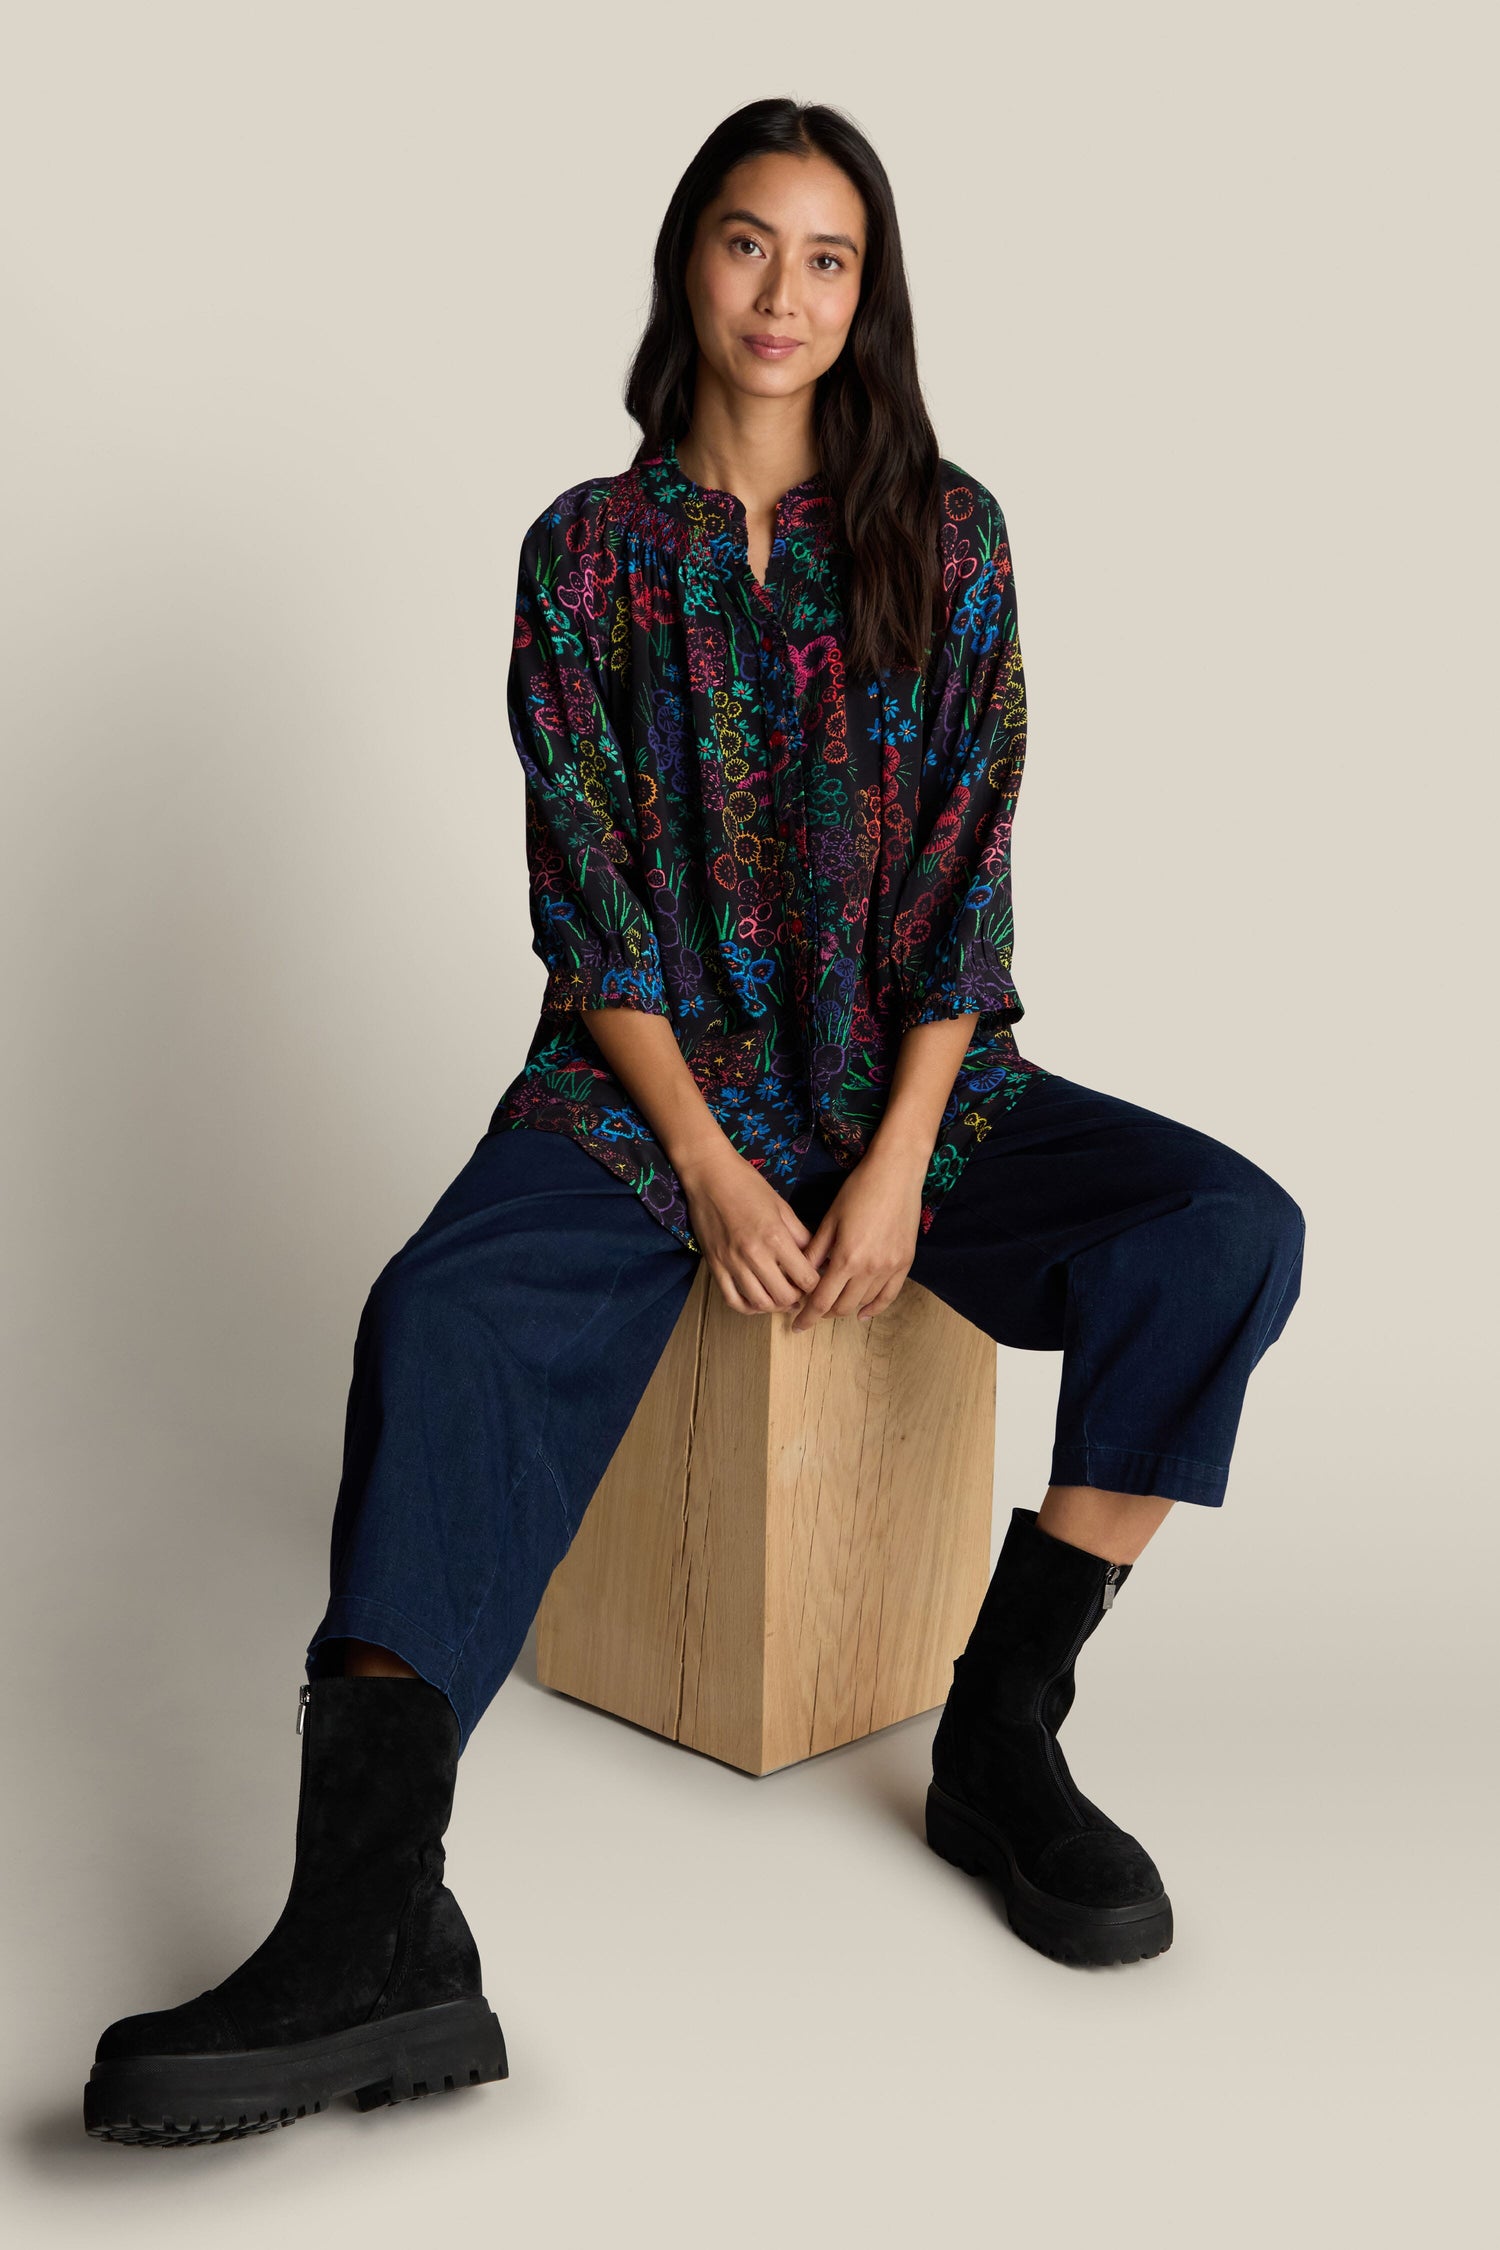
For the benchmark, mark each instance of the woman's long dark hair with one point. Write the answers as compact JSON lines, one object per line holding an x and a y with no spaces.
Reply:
{"x":876,"y":445}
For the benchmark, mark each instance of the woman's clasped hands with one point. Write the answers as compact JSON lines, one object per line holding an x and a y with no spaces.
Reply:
{"x":766,"y":1259}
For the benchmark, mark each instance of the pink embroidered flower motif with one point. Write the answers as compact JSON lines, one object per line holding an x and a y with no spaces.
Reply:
{"x":581,"y":698}
{"x":650,"y":605}
{"x":587,"y":593}
{"x":959,"y":560}
{"x":948,"y":826}
{"x":705,"y":655}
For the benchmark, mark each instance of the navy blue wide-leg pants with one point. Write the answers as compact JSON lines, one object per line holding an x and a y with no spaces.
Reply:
{"x":503,"y":1349}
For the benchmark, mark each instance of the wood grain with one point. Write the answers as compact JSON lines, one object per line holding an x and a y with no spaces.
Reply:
{"x":792,"y":1540}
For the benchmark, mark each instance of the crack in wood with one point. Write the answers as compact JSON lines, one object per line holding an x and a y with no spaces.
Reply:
{"x":700,"y":1353}
{"x":882,"y":1513}
{"x":863,"y":1546}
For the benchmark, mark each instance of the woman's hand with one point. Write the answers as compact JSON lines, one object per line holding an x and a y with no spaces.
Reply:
{"x":762,"y":1255}
{"x":753,"y":1240}
{"x":867,"y":1237}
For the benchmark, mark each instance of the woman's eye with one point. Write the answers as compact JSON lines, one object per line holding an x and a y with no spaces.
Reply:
{"x":823,"y":259}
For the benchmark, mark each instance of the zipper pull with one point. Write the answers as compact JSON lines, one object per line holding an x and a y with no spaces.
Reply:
{"x":1111,"y":1580}
{"x":304,"y":1697}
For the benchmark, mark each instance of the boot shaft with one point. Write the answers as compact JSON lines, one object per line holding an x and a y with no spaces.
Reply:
{"x":1043,"y":1601}
{"x":379,"y":1766}
{"x":368,"y":1926}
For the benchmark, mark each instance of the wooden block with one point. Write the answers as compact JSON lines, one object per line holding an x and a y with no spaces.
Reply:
{"x":792,"y":1540}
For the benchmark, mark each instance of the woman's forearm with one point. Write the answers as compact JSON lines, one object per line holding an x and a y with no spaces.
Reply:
{"x":926,"y":1065}
{"x":642,"y":1051}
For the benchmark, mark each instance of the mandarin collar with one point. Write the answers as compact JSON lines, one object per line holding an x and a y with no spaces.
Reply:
{"x":683,"y":491}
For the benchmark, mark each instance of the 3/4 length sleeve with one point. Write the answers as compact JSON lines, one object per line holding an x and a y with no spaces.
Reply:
{"x":953,"y":933}
{"x":591,"y":924}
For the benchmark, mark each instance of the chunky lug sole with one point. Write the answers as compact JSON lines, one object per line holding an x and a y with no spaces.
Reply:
{"x":174,"y":2101}
{"x":1086,"y":1936}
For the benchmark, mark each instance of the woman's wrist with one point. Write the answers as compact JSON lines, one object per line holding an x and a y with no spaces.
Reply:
{"x":700,"y":1154}
{"x":927,"y":1064}
{"x":904,"y":1144}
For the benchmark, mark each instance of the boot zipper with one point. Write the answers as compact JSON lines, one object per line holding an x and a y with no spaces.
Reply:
{"x":1067,"y":1788}
{"x":304,"y":1697}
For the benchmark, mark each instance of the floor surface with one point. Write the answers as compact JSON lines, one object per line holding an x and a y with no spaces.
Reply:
{"x":745,"y":2010}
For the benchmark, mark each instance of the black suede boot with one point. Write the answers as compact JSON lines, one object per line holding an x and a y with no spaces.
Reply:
{"x":368,"y":1984}
{"x":1002,"y":1801}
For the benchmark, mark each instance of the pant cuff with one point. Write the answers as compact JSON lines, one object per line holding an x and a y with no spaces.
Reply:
{"x":355,"y":1617}
{"x":1118,"y":1468}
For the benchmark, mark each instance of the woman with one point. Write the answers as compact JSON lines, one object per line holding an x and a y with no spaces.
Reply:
{"x":767,"y":693}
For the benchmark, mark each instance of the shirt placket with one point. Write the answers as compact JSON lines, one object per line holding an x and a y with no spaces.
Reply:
{"x":790,"y":793}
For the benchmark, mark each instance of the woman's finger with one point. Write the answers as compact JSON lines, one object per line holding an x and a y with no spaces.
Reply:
{"x":884,"y":1297}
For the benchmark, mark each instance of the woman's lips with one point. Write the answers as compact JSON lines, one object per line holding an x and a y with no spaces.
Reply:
{"x":773,"y":347}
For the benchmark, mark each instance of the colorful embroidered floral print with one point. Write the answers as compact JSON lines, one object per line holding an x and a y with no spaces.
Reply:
{"x":723,"y":827}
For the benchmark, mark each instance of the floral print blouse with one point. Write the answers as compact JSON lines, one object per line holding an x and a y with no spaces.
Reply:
{"x":724,"y":827}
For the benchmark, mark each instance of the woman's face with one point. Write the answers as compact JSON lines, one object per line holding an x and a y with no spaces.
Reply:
{"x":777,"y":260}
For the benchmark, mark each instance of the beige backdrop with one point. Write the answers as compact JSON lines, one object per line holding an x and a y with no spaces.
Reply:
{"x":309,"y":307}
